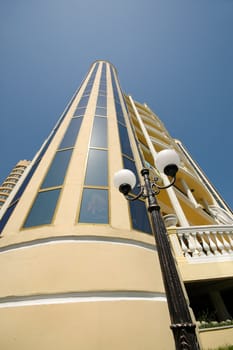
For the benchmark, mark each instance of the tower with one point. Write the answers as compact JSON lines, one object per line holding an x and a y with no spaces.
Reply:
{"x":80,"y":265}
{"x":11,"y":181}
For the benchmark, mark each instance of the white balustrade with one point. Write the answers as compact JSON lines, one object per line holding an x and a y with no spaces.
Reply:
{"x":199,"y":250}
{"x":183,"y":244}
{"x":206,"y":241}
{"x":206,"y":248}
{"x":230,"y":238}
{"x":226,"y":244}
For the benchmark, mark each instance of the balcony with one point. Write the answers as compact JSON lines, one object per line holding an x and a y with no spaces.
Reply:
{"x":204,"y":256}
{"x":207,"y":242}
{"x":203,"y":252}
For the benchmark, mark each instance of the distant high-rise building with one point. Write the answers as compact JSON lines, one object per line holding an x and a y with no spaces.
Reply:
{"x":79,"y":264}
{"x":12,"y":179}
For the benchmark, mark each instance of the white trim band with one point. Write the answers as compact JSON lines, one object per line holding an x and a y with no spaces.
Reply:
{"x":83,"y":297}
{"x":76,"y":239}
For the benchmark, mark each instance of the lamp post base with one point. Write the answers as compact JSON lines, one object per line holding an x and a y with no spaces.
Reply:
{"x":185,"y":336}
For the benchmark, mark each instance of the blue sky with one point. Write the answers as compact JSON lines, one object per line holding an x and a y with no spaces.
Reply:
{"x":175,"y":55}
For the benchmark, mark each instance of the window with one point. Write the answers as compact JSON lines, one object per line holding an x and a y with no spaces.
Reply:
{"x":102,"y":89}
{"x":43,"y":208}
{"x":102,"y":101}
{"x":130,"y":164}
{"x":101,"y":111}
{"x":99,"y":133}
{"x":57,"y":171}
{"x":71,"y":133}
{"x":119,"y":112}
{"x":124,"y":140}
{"x":94,"y":207}
{"x":97,"y":173}
{"x":140,"y":220}
{"x":80,"y":112}
{"x":83,"y":102}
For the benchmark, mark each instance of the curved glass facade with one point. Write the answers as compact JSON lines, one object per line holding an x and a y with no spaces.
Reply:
{"x":94,"y":202}
{"x":94,"y":205}
{"x":54,"y":179}
{"x":139,"y":222}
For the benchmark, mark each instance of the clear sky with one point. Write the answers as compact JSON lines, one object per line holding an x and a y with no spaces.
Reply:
{"x":175,"y":55}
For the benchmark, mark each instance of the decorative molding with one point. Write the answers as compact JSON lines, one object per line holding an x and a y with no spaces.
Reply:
{"x":80,"y":297}
{"x":77,"y":239}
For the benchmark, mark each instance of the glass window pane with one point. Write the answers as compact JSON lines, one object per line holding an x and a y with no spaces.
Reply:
{"x":86,"y":93}
{"x":99,"y":133}
{"x":88,"y":88}
{"x":102,"y":88}
{"x":102,"y":101}
{"x":140,"y":220}
{"x":117,"y":100}
{"x":102,"y":92}
{"x":43,"y":209}
{"x":130,"y":164}
{"x":124,"y":140}
{"x":94,"y":208}
{"x":97,"y":168}
{"x":80,"y":112}
{"x":103,"y":71}
{"x":57,"y":170}
{"x":119,"y":112}
{"x":83,"y":102}
{"x":101,"y":111}
{"x":71,"y":133}
{"x":118,"y":108}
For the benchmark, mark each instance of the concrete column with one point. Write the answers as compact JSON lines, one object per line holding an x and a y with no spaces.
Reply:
{"x":219,"y":306}
{"x":189,"y":193}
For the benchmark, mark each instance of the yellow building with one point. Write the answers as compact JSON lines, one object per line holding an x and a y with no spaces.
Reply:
{"x":12,"y":180}
{"x":79,"y":264}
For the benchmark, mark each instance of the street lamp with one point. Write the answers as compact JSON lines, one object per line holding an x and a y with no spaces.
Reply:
{"x":182,"y":325}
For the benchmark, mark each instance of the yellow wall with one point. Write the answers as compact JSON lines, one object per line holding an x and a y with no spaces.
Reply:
{"x":39,"y":280}
{"x":72,"y":266}
{"x":216,"y":337}
{"x":97,"y":325}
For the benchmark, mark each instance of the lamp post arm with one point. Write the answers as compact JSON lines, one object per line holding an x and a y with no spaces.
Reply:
{"x":140,"y":194}
{"x":170,"y":185}
{"x":182,"y":325}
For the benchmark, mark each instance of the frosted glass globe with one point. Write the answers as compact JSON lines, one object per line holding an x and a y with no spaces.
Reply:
{"x":124,"y":176}
{"x":165,"y":158}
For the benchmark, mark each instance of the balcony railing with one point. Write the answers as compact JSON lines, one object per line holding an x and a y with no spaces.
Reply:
{"x":206,"y":241}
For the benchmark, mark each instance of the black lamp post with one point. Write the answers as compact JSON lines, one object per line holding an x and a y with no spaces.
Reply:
{"x":181,"y":322}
